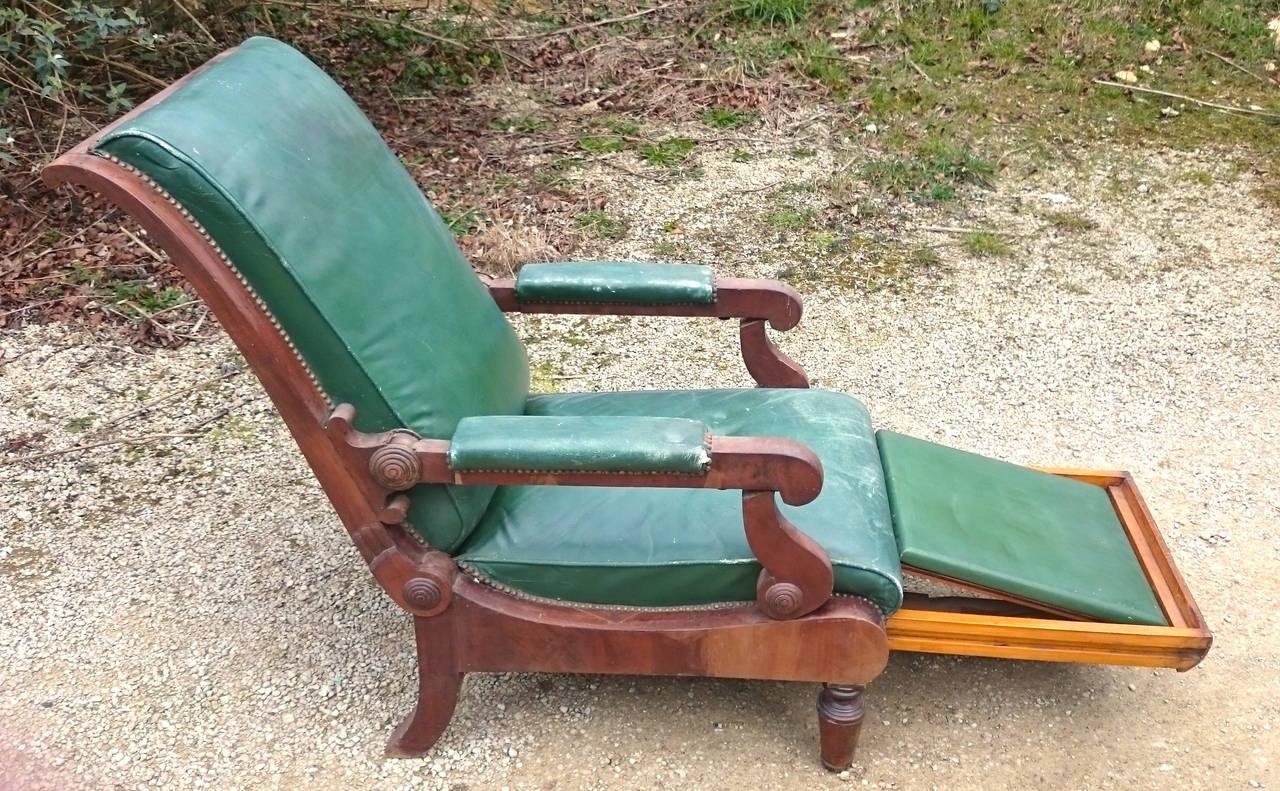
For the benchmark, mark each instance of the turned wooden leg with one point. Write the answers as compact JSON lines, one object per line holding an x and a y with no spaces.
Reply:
{"x":438,"y":685}
{"x":839,"y":720}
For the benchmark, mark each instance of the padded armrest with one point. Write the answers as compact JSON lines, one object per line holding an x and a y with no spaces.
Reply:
{"x":616,"y":283}
{"x":580,"y":444}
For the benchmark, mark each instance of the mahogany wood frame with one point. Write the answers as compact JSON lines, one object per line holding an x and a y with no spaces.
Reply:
{"x":462,"y":624}
{"x":753,"y":302}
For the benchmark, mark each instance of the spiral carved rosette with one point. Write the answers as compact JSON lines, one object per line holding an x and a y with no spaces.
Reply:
{"x":782,"y":600}
{"x":395,"y":467}
{"x":422,"y":593}
{"x":426,"y":596}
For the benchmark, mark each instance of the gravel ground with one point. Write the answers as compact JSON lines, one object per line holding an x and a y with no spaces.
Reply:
{"x":188,"y":613}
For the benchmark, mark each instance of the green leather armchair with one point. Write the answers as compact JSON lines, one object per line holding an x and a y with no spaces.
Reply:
{"x":742,"y":533}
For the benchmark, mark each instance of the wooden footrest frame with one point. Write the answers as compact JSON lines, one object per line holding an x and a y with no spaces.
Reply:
{"x":999,"y":626}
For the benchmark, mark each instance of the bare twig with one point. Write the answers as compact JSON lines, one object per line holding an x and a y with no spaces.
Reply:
{"x":583,"y":26}
{"x":329,"y":10}
{"x":125,"y":67}
{"x":71,"y":242}
{"x":919,"y":70}
{"x":1238,"y":67}
{"x":141,"y":244}
{"x":611,"y":164}
{"x":948,"y":229}
{"x":143,"y":440}
{"x":147,"y":406}
{"x":29,"y":306}
{"x":768,"y":186}
{"x":204,"y":314}
{"x":183,"y":8}
{"x":1226,"y":108}
{"x":178,"y":306}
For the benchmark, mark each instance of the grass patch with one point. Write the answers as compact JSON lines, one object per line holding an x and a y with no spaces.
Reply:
{"x":623,"y":126}
{"x":668,"y":152}
{"x":985,"y":244}
{"x":725,"y":118}
{"x":601,"y":225}
{"x":1025,"y":72}
{"x":924,"y":257}
{"x":669,"y":249}
{"x":77,"y":424}
{"x":1269,"y":194}
{"x":524,"y":124}
{"x":932,"y":174}
{"x":1070,"y":221}
{"x":463,"y":222}
{"x":742,"y":155}
{"x":1202,"y":177}
{"x":821,"y":62}
{"x":606,"y":144}
{"x":789,"y":219}
{"x":771,"y":13}
{"x":863,"y":262}
{"x":137,"y":299}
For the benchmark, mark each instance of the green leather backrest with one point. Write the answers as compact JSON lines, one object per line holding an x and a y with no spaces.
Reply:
{"x":324,"y":223}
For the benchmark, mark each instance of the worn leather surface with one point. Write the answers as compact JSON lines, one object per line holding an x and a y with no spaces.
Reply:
{"x":313,"y":209}
{"x":580,"y":444}
{"x":616,"y":282}
{"x":670,"y":547}
{"x":1042,"y":537}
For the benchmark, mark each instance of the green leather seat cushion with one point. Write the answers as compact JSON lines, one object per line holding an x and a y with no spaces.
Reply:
{"x":333,"y":235}
{"x":1042,"y":537}
{"x":673,"y":547}
{"x":616,"y":282}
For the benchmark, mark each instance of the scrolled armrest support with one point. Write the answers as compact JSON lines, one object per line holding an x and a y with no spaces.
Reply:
{"x":587,"y":289}
{"x":797,"y":577}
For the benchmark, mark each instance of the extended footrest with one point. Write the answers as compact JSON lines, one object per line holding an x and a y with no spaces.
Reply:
{"x":1053,"y":565}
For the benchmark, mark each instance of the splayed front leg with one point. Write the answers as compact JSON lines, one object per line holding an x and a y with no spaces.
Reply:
{"x":438,"y":683}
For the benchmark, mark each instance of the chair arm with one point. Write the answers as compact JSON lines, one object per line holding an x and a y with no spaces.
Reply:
{"x":624,"y":445}
{"x":625,"y":452}
{"x":615,"y":283}
{"x":631,"y":288}
{"x":612,"y":451}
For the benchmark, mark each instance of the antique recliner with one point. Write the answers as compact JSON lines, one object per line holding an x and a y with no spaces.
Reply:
{"x":761,"y":533}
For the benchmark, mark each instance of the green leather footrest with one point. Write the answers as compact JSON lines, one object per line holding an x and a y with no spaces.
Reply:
{"x":616,"y":282}
{"x":581,"y":444}
{"x":1041,"y":537}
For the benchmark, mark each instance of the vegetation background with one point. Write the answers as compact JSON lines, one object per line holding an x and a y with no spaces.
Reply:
{"x":494,"y":104}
